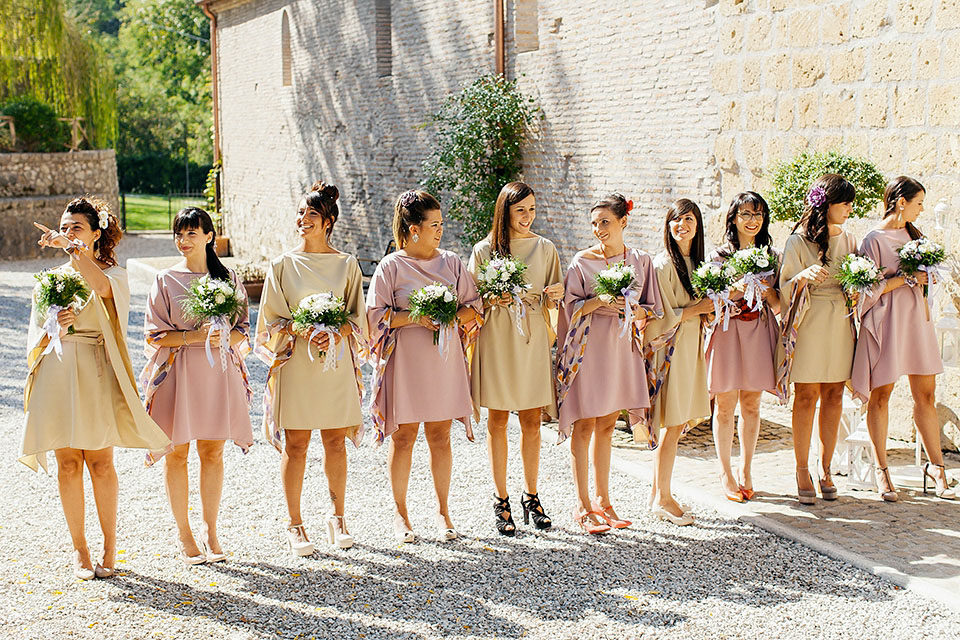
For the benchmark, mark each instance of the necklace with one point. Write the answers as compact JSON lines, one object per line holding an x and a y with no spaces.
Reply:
{"x":607,"y":260}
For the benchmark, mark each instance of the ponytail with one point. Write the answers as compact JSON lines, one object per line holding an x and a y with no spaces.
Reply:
{"x":197,"y":218}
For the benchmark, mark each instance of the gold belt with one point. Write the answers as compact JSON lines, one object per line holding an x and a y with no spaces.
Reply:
{"x":93,"y":339}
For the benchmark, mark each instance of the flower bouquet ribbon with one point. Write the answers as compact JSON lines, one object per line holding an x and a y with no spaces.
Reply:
{"x":439,"y":303}
{"x":504,"y":275}
{"x":322,"y":313}
{"x":57,"y":290}
{"x":217,"y":302}
{"x":923,"y":255}
{"x":712,"y":280}
{"x":859,"y":276}
{"x":754,"y":265}
{"x":615,"y":281}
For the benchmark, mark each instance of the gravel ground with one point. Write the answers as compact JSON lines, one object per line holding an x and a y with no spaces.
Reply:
{"x":720,"y":579}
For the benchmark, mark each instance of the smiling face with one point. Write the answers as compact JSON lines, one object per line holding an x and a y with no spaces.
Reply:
{"x":838,"y":212}
{"x":910,"y":210}
{"x":430,"y":230}
{"x":310,"y":224}
{"x":749,"y":221}
{"x":683,"y":228}
{"x":192,"y":242}
{"x":522,"y":215}
{"x":607,"y":227}
{"x":76,"y":226}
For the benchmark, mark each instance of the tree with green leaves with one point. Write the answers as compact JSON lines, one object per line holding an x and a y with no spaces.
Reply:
{"x":479,"y":132}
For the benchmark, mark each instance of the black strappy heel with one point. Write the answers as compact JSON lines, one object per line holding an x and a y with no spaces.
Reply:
{"x":533,"y":509}
{"x":505,"y":526}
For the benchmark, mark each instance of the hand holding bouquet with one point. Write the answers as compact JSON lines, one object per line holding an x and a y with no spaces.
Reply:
{"x":754,"y":265}
{"x":858,"y":275}
{"x":713,"y":280}
{"x":616,"y":281}
{"x":438,"y":303}
{"x":922,"y":255}
{"x":56,"y":291}
{"x":321,"y":313}
{"x":503,"y":276}
{"x":217,"y":303}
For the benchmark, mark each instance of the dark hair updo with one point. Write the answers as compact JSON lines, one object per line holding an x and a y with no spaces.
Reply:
{"x":196,"y":218}
{"x":511,"y":194}
{"x":835,"y":189}
{"x":411,"y":209}
{"x":906,"y":188}
{"x":616,"y":203}
{"x":322,"y":198}
{"x":91,"y":208}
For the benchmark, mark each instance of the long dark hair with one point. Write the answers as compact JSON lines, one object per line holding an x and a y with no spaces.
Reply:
{"x":196,"y":218}
{"x":91,"y":208}
{"x":813,"y":222}
{"x":511,"y":194}
{"x":677,"y":209}
{"x":906,"y":188}
{"x":762,"y":239}
{"x":322,"y":198}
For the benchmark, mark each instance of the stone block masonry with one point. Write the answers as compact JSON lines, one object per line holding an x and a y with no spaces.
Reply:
{"x":37,"y":186}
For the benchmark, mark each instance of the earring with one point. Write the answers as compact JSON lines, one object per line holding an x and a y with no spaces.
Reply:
{"x":416,"y":238}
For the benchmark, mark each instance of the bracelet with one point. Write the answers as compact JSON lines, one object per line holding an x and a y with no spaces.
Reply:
{"x":70,"y":249}
{"x":183,"y":335}
{"x":910,"y":280}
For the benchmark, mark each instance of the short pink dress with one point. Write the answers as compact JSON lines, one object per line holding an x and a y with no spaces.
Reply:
{"x":413,"y":381}
{"x":897,"y":336}
{"x":742,"y":357}
{"x":600,"y":367}
{"x":188,"y":398}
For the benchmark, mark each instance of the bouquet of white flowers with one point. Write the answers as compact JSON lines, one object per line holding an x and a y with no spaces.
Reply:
{"x":217,"y":302}
{"x":712,"y":280}
{"x":754,"y":265}
{"x":858,"y":276}
{"x":615,"y":281}
{"x":57,"y":290}
{"x":322,"y":313}
{"x":438,"y":303}
{"x":922,"y":255}
{"x":504,"y":275}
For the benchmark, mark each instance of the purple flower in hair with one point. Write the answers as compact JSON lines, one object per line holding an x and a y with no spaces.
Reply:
{"x":407,"y":198}
{"x":817,"y":197}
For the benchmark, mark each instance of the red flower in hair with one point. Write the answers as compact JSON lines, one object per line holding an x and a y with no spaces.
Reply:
{"x":629,"y":206}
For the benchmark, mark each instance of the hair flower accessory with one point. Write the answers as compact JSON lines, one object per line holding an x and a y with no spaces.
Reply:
{"x":817,"y":197}
{"x":629,"y":206}
{"x":407,"y":198}
{"x":104,"y":218}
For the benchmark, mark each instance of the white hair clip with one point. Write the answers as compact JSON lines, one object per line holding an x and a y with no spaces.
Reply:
{"x":104,"y":216}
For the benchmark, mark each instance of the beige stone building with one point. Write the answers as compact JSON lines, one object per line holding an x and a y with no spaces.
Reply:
{"x":658,"y":100}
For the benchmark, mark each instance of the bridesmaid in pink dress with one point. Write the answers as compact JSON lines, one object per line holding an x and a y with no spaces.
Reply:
{"x":414,"y":380}
{"x":600,"y":365}
{"x":740,"y":359}
{"x":189,"y":399}
{"x":897,"y":338}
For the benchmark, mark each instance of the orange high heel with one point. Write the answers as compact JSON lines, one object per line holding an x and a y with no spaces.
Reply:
{"x":747,"y":493}
{"x":616,"y":523}
{"x":588,"y":525}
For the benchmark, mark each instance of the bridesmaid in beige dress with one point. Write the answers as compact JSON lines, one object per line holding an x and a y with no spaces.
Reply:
{"x":815,"y":352}
{"x":300,"y":396}
{"x":84,"y":401}
{"x":675,"y":346}
{"x":513,"y":371}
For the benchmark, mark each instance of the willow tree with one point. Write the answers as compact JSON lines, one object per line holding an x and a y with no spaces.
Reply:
{"x":44,"y":56}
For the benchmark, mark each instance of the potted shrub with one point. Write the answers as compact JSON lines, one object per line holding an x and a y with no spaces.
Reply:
{"x":251,"y":275}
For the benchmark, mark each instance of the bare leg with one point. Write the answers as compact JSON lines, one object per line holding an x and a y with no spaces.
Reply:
{"x":580,"y":461}
{"x":441,"y":464}
{"x":602,"y":445}
{"x":726,"y":404}
{"x":399,"y":458}
{"x":749,"y":430}
{"x":878,"y":420}
{"x":831,"y":409}
{"x":497,"y":451}
{"x":292,"y":467}
{"x":106,"y":491}
{"x":924,"y":390}
{"x":335,"y":468}
{"x":178,"y":493}
{"x":805,"y":396}
{"x":210,"y":453}
{"x":530,"y":447}
{"x":70,"y":483}
{"x":666,"y":455}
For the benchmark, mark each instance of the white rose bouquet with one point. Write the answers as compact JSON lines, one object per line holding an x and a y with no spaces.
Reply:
{"x":922,"y":255}
{"x":504,"y":275}
{"x":754,"y":265}
{"x":55,"y":291}
{"x":713,"y":280}
{"x":615,"y":281}
{"x":858,"y":276}
{"x":438,"y":303}
{"x":214,"y":301}
{"x":322,"y":313}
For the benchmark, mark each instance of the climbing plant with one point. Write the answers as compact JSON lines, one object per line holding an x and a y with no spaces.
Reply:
{"x":44,"y":56}
{"x":479,"y":132}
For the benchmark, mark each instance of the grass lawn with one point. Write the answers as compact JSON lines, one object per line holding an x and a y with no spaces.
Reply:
{"x":146,"y":212}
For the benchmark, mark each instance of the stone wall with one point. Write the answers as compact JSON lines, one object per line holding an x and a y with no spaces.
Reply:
{"x":37,"y":186}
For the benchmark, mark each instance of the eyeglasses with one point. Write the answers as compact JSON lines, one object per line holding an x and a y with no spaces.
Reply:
{"x":747,"y":216}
